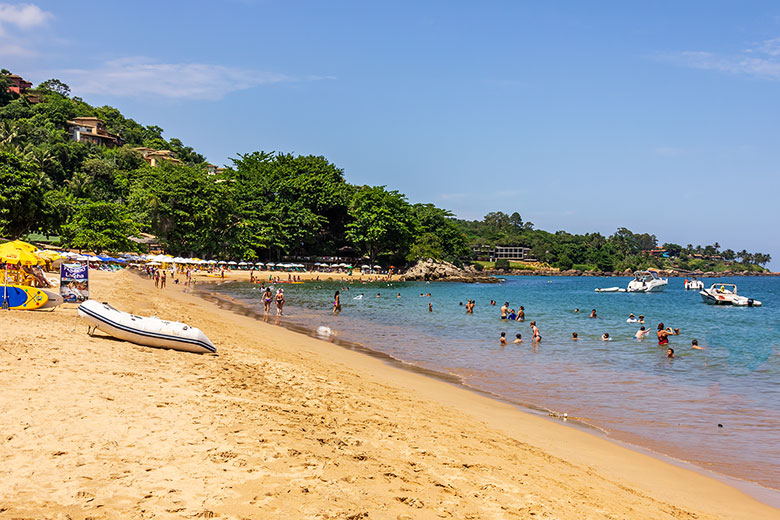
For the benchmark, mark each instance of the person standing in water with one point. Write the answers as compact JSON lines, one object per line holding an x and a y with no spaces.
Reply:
{"x":430,"y":307}
{"x":502,"y":339}
{"x":537,"y":337}
{"x":470,"y":307}
{"x":521,"y":314}
{"x":336,"y":303}
{"x":663,"y":334}
{"x":593,"y":314}
{"x":504,"y":310}
{"x":268,"y":297}
{"x":279,"y":302}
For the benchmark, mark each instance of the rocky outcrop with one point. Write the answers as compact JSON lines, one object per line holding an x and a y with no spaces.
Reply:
{"x":430,"y":270}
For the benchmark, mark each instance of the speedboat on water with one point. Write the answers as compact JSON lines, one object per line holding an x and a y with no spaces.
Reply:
{"x":693,"y":284}
{"x":148,"y":331}
{"x":646,"y":281}
{"x":726,"y":294}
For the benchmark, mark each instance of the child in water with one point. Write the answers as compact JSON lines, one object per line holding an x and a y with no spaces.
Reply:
{"x":605,"y":337}
{"x":574,"y":336}
{"x":518,"y":338}
{"x":502,"y":339}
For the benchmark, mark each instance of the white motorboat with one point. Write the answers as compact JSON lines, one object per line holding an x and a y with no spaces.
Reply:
{"x":726,"y":294}
{"x":148,"y":331}
{"x":693,"y":284}
{"x":646,"y":281}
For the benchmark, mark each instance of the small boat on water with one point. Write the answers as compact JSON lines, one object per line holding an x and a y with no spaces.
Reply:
{"x":726,"y":294}
{"x":693,"y":284}
{"x":644,"y":282}
{"x":147,"y":331}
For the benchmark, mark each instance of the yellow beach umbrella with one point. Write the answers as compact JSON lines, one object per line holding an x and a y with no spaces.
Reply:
{"x":18,"y":244}
{"x":52,"y":256}
{"x":19,"y":256}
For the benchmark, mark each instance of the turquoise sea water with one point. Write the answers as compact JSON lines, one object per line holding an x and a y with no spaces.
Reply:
{"x":625,"y":387}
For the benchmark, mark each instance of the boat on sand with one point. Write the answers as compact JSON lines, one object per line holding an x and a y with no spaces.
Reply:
{"x":148,"y":331}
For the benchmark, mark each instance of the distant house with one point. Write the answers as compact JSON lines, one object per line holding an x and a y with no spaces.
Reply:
{"x":493,"y":253}
{"x":17,"y":84}
{"x":213,"y":169}
{"x":92,"y":130}
{"x":658,"y":251}
{"x":155,"y":157}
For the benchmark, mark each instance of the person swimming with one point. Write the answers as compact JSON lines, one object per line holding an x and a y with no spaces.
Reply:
{"x":670,"y":353}
{"x":518,"y":338}
{"x":663,"y":334}
{"x":574,"y":336}
{"x":605,"y":337}
{"x":593,"y":314}
{"x":695,"y":344}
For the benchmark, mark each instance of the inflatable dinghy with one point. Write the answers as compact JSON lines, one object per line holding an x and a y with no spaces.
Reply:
{"x":611,"y":289}
{"x":147,"y":331}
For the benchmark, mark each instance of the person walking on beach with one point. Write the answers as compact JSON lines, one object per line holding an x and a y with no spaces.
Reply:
{"x":336,"y":303}
{"x":157,"y":279}
{"x":268,"y":297}
{"x":279,"y":302}
{"x":537,"y":337}
{"x":663,"y":334}
{"x":162,"y":280}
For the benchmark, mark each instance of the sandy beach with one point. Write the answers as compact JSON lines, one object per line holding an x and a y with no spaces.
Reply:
{"x":282,"y":425}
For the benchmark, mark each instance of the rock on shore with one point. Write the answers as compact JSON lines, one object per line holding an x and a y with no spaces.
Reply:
{"x":430,"y":270}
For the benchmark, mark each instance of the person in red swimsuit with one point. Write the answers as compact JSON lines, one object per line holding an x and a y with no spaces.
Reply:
{"x":663,"y":334}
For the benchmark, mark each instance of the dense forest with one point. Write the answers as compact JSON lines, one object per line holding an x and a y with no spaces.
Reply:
{"x":265,"y":205}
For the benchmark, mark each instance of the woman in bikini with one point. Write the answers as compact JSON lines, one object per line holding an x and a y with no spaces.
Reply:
{"x":663,"y":334}
{"x":268,"y":297}
{"x":279,"y":301}
{"x":336,"y":303}
{"x":537,"y":337}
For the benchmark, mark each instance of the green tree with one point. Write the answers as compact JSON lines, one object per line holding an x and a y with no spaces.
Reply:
{"x":382,"y":222}
{"x":56,"y":86}
{"x":100,"y":226}
{"x":21,"y":196}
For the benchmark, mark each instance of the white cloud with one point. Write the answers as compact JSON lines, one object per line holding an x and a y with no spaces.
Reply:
{"x":24,"y":16}
{"x":15,"y":50}
{"x":143,"y":77}
{"x":761,"y":61}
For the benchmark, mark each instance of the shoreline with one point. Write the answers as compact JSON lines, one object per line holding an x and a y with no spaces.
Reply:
{"x":282,"y":424}
{"x":767,"y":495}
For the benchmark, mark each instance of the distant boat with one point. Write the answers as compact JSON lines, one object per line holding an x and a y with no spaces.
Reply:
{"x":726,"y":294}
{"x":693,"y":284}
{"x":644,"y":282}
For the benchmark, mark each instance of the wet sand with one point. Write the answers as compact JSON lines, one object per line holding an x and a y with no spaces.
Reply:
{"x":279,"y":424}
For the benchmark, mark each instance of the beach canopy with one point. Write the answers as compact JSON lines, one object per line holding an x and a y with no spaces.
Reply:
{"x":259,"y":263}
{"x":242,"y":263}
{"x":232,"y":263}
{"x":19,"y":256}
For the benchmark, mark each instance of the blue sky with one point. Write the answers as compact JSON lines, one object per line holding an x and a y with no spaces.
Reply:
{"x":657,"y":116}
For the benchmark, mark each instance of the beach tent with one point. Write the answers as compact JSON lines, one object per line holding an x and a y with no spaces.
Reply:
{"x":232,"y":263}
{"x":259,"y":263}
